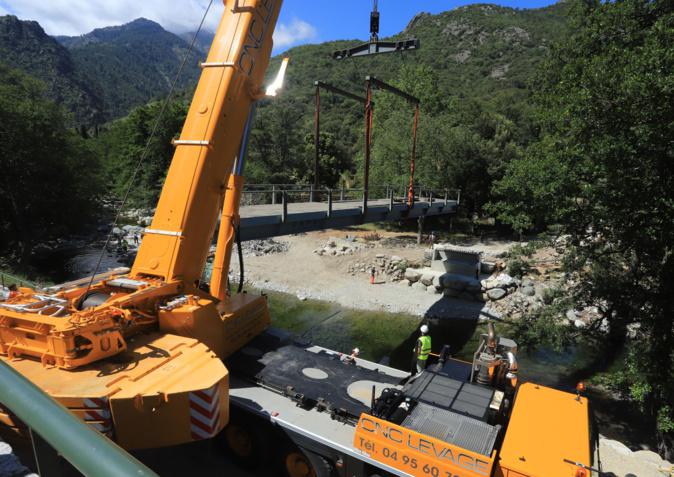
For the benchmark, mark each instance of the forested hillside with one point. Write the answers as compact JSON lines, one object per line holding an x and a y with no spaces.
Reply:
{"x":104,"y":74}
{"x":133,"y":63}
{"x":25,"y":46}
{"x":473,"y":74}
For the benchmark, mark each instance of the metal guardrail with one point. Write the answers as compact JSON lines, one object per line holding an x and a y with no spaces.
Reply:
{"x":259,"y":194}
{"x":53,"y":428}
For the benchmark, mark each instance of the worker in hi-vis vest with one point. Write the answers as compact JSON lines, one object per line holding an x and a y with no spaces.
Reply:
{"x":422,"y":349}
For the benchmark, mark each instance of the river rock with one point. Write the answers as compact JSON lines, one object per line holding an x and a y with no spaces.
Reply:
{"x":406,"y":283}
{"x":427,"y":279}
{"x":579,"y":324}
{"x":496,"y":293}
{"x":527,"y":282}
{"x":571,"y":315}
{"x":412,"y":274}
{"x":432,"y":290}
{"x":396,"y":259}
{"x":454,"y":282}
{"x":117,"y":231}
{"x":502,"y":280}
{"x":419,"y":286}
{"x":528,"y":291}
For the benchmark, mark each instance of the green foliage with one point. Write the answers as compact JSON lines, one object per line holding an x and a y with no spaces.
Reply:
{"x":473,"y":121}
{"x":132,"y":64}
{"x":123,"y":144}
{"x":526,"y":250}
{"x":534,"y":190}
{"x":518,"y":267}
{"x":49,"y":177}
{"x":26,"y":47}
{"x":545,"y":326}
{"x":606,"y":103}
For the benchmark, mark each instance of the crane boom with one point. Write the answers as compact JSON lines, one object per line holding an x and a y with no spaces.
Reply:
{"x":176,"y":245}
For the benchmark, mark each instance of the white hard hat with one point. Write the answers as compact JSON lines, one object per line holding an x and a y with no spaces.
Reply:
{"x":355,"y":351}
{"x":424,"y":329}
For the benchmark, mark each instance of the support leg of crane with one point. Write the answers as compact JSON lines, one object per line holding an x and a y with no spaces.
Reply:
{"x":420,"y":232}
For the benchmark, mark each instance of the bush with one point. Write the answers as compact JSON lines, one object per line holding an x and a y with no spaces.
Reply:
{"x":518,"y":267}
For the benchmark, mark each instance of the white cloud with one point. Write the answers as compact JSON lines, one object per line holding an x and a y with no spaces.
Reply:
{"x":298,"y":31}
{"x":75,"y":17}
{"x":3,"y":11}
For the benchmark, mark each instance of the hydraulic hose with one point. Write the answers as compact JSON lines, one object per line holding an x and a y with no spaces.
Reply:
{"x":237,"y":234}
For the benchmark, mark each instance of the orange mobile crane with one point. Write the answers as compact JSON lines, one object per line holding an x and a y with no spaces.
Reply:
{"x":141,"y":356}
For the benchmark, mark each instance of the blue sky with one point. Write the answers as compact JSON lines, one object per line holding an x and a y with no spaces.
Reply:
{"x":348,"y":19}
{"x":301,"y":21}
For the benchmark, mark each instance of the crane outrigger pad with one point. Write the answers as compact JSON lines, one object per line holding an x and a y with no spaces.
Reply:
{"x":312,"y":378}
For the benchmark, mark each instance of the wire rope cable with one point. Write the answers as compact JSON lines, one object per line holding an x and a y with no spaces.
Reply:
{"x":143,"y":156}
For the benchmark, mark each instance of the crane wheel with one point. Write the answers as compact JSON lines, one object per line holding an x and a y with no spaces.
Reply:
{"x":298,"y":463}
{"x":245,"y":443}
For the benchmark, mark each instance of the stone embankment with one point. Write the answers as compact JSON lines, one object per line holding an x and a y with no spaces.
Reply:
{"x":618,"y":460}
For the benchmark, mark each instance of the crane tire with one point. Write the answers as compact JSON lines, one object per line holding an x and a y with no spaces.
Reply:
{"x":245,"y":442}
{"x":298,"y":462}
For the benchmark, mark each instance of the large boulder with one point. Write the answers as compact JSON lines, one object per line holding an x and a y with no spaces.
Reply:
{"x":495,"y":294}
{"x":419,"y":286}
{"x":528,"y":291}
{"x":427,"y":279}
{"x":412,"y":274}
{"x":502,"y":280}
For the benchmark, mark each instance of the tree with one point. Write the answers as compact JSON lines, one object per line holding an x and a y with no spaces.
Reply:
{"x":607,"y":113}
{"x":48,"y":177}
{"x":123,"y":144}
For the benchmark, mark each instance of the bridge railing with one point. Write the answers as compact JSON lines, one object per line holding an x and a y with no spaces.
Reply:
{"x":285,"y":194}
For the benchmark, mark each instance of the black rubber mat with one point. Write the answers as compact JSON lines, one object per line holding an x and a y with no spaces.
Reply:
{"x":280,"y":366}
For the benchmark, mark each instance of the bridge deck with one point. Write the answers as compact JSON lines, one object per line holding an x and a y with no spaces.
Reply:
{"x":269,"y":220}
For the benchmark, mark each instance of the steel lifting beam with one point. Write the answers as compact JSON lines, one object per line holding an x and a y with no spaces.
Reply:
{"x":374,"y":46}
{"x":336,"y":90}
{"x":377,"y":83}
{"x":86,"y":449}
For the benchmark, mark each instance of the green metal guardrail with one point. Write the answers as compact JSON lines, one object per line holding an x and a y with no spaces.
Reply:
{"x":88,"y":451}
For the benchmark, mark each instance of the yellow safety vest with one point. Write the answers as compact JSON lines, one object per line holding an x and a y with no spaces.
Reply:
{"x":425,"y":347}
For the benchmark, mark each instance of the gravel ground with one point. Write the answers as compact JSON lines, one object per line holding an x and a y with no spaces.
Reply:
{"x":305,"y":274}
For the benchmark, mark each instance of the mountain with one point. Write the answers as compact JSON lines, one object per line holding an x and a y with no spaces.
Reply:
{"x":25,"y":46}
{"x":477,"y":51}
{"x":203,"y":41}
{"x":132,"y":63}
